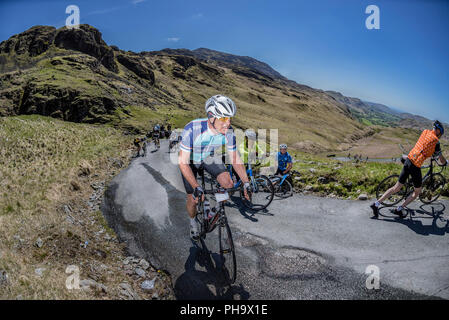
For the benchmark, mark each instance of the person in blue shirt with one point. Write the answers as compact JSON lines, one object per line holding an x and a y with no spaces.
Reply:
{"x":200,"y":139}
{"x":285,"y":163}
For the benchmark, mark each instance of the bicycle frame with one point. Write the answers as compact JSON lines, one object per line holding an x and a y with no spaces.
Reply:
{"x":220,"y":214}
{"x":281,"y":179}
{"x":249,"y":172}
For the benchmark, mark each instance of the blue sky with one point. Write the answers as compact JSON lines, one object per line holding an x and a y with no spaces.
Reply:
{"x":321,"y":43}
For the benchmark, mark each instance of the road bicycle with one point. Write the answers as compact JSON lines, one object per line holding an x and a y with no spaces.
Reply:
{"x":432,"y":185}
{"x":282,"y":187}
{"x":207,"y":225}
{"x":262,"y":191}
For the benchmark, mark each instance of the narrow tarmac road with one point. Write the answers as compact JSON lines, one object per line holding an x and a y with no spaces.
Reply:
{"x":304,"y":247}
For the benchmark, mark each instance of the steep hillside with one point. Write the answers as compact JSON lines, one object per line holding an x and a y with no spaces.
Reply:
{"x":75,"y":76}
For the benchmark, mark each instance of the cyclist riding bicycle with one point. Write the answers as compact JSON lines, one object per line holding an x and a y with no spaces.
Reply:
{"x":173,"y":139}
{"x":199,"y":140}
{"x":156,"y":135}
{"x":137,"y":143}
{"x":156,"y":131}
{"x":427,"y":145}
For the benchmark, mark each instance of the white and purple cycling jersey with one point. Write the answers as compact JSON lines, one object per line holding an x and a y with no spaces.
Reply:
{"x":201,"y":142}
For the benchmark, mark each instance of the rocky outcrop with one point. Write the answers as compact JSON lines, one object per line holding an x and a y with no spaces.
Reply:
{"x":137,"y":66}
{"x":87,"y":40}
{"x":34,"y":41}
{"x":64,"y":103}
{"x":185,"y":62}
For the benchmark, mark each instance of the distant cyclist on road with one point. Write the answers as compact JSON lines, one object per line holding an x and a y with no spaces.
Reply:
{"x":428,"y":144}
{"x":199,"y":140}
{"x":173,"y":140}
{"x":140,"y":145}
{"x":156,"y":134}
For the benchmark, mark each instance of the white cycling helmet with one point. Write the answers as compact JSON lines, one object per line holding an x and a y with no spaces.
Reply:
{"x":283,"y":146}
{"x":250,"y":134}
{"x":219,"y":106}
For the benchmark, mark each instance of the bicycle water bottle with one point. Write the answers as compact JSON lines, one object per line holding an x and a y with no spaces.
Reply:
{"x":207,"y":210}
{"x":212,"y":213}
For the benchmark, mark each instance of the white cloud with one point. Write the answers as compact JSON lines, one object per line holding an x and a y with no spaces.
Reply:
{"x":174,"y":39}
{"x":138,"y":1}
{"x":197,"y":16}
{"x":104,"y":11}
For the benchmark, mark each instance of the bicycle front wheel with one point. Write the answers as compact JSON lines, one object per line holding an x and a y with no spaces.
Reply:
{"x":262,"y":194}
{"x":432,"y":187}
{"x":284,"y":190}
{"x":227,"y":252}
{"x":386,"y":184}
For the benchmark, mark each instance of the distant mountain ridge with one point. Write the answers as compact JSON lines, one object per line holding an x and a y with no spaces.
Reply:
{"x":227,"y":58}
{"x":365,"y":111}
{"x":380,"y":114}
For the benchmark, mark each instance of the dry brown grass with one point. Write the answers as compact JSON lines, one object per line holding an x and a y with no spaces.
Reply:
{"x":44,"y":165}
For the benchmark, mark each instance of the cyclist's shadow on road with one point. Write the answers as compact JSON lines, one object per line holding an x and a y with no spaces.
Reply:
{"x":246,"y":212}
{"x":206,"y":285}
{"x":415,"y":218}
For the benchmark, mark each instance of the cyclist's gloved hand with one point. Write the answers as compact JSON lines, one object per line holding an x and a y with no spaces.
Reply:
{"x":198,"y":192}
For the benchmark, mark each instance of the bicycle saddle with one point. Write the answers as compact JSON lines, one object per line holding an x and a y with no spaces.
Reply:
{"x":404,"y":157}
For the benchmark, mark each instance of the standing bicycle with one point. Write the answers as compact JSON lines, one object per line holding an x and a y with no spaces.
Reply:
{"x":262,"y":190}
{"x":427,"y":146}
{"x":282,"y":186}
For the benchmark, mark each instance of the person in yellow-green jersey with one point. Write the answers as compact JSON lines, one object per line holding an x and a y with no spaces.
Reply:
{"x":249,"y":150}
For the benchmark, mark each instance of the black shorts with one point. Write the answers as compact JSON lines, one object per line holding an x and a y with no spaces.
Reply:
{"x":410,"y":169}
{"x":214,"y":170}
{"x":279,"y":172}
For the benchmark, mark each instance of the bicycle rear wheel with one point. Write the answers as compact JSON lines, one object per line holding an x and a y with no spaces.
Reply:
{"x":261,"y":196}
{"x":227,"y":251}
{"x":432,"y":187}
{"x":386,"y":184}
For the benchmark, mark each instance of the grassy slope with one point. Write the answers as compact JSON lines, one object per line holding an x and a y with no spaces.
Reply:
{"x":347,"y":179}
{"x":41,"y":159}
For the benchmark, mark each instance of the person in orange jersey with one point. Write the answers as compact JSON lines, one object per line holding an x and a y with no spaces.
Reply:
{"x":428,"y":144}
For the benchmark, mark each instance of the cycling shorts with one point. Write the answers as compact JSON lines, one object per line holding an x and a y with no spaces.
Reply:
{"x":410,"y":169}
{"x":214,"y":169}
